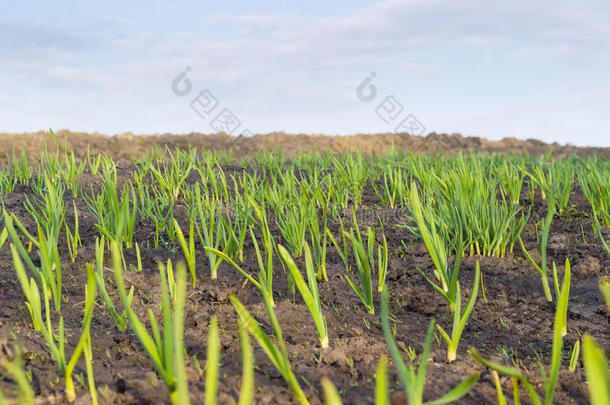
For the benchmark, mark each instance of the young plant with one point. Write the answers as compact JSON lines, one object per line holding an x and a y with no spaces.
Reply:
{"x":292,"y":222}
{"x":309,"y":290}
{"x":498,"y":384}
{"x":235,"y":231}
{"x":120,"y":320}
{"x":594,"y":181}
{"x":595,"y":360}
{"x":574,"y":357}
{"x":210,"y":228}
{"x":542,"y":268}
{"x":331,"y":395}
{"x":549,"y":380}
{"x":172,"y":177}
{"x":381,"y":382}
{"x":266,"y":273}
{"x":604,"y":286}
{"x":72,"y":172}
{"x":166,"y":352}
{"x":56,"y":340}
{"x":49,"y":273}
{"x":382,"y":258}
{"x":364,"y":272}
{"x":568,"y":272}
{"x":189,"y":250}
{"x":265,"y":276}
{"x":213,"y":363}
{"x":318,"y":241}
{"x":246,"y":392}
{"x":460,"y":318}
{"x":115,"y":215}
{"x":278,"y":355}
{"x":73,"y":237}
{"x":365,"y":263}
{"x":15,"y":369}
{"x":555,"y":182}
{"x":596,"y":370}
{"x":88,"y":355}
{"x":413,"y":380}
{"x":438,"y":253}
{"x":343,"y":252}
{"x":49,"y":211}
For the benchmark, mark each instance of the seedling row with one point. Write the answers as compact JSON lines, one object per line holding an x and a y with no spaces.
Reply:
{"x":198,"y":272}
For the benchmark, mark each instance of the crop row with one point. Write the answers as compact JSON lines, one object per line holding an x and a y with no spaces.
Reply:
{"x":197,"y":202}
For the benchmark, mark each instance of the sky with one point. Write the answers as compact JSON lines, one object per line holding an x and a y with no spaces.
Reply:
{"x":493,"y":69}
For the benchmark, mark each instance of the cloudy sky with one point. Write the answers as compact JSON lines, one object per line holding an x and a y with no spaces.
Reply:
{"x":527,"y":69}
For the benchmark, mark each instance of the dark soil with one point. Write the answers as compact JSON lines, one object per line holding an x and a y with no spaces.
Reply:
{"x":513,"y":325}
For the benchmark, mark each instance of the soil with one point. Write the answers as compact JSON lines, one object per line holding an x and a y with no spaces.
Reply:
{"x":513,"y":324}
{"x":128,"y":146}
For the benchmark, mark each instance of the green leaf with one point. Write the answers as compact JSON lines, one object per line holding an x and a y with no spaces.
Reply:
{"x":458,"y":392}
{"x":399,"y":363}
{"x":227,"y":259}
{"x":381,"y":382}
{"x":596,"y":370}
{"x":213,"y":363}
{"x":246,"y":392}
{"x":179,"y":368}
{"x":331,"y":395}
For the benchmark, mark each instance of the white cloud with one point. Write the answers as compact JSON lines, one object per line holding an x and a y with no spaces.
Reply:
{"x":307,"y":65}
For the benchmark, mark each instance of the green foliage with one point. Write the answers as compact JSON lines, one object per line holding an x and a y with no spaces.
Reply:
{"x":278,"y":355}
{"x":56,"y":340}
{"x":550,"y":379}
{"x":166,"y":351}
{"x":309,"y":291}
{"x":413,"y":379}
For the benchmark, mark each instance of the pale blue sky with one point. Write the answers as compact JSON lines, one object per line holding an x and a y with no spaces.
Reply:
{"x":528,"y":69}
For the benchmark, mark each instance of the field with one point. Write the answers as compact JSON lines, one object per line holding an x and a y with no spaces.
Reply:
{"x":252,"y":276}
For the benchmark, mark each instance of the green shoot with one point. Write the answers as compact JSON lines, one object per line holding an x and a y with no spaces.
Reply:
{"x":413,"y":380}
{"x":438,"y":252}
{"x":595,"y":360}
{"x":49,"y":272}
{"x":119,"y":319}
{"x":73,"y":237}
{"x":574,"y":357}
{"x":56,"y":341}
{"x":213,"y":363}
{"x":262,"y":224}
{"x":459,"y":318}
{"x":309,"y":290}
{"x":318,"y":242}
{"x":498,"y":385}
{"x":165,"y":352}
{"x":596,"y":370}
{"x":189,"y":250}
{"x":365,"y":263}
{"x":209,"y":228}
{"x":343,"y":252}
{"x":278,"y":356}
{"x":381,"y":382}
{"x":542,"y":268}
{"x":88,"y":355}
{"x":331,"y":395}
{"x":550,"y":379}
{"x":16,"y":370}
{"x":226,"y":258}
{"x":382,"y":257}
{"x":567,"y":276}
{"x":604,"y":286}
{"x":246,"y":391}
